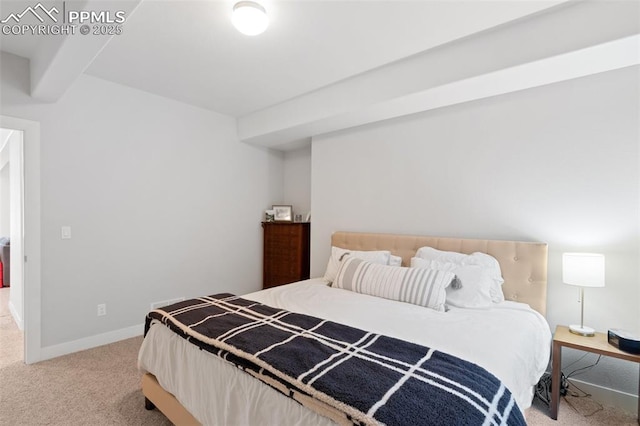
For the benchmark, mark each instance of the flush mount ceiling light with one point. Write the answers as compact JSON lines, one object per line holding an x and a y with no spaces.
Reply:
{"x":250,"y":18}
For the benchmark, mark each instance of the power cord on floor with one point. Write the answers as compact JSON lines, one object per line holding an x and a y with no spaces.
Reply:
{"x":543,"y":388}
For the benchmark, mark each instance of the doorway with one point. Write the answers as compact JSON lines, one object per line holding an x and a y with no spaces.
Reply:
{"x":27,"y":257}
{"x":11,"y":245}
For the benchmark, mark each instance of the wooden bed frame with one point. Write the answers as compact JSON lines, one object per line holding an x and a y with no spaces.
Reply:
{"x":523,"y":266}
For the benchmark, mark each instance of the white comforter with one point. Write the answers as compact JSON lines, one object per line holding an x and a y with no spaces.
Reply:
{"x":511,"y":340}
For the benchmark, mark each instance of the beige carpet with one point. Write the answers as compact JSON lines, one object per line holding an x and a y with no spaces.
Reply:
{"x":10,"y":337}
{"x":101,"y":386}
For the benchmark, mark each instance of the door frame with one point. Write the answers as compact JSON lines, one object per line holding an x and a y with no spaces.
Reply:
{"x":31,"y":297}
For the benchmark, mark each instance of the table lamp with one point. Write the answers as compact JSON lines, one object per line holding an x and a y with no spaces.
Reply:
{"x":583,"y":270}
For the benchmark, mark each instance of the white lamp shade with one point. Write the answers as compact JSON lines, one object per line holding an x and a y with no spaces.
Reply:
{"x":249,"y":18}
{"x":583,"y":269}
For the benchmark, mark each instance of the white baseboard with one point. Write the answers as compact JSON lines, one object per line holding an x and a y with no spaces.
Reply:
{"x":90,"y":342}
{"x":16,"y":317}
{"x":622,"y":400}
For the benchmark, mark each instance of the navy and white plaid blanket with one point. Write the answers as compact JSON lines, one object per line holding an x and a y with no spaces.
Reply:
{"x":349,"y":375}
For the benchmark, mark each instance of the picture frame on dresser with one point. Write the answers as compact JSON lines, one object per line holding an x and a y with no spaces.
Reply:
{"x":269,"y":215}
{"x":283,"y":213}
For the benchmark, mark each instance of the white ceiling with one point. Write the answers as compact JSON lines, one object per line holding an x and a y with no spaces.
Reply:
{"x":189,"y":51}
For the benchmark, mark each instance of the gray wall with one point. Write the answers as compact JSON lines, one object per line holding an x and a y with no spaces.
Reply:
{"x":297,"y":180}
{"x":162,"y":198}
{"x":558,"y":164}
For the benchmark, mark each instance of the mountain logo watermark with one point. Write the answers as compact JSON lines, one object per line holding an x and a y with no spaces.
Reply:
{"x":33,"y":11}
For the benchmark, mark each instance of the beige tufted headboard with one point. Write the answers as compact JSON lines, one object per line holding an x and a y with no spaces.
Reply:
{"x":523,"y":264}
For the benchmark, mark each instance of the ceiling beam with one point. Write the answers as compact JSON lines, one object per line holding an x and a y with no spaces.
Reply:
{"x":60,"y":59}
{"x":571,"y":41}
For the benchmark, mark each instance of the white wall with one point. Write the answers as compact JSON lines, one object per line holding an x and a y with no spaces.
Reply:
{"x":162,"y":199}
{"x":297,"y":180}
{"x":559,"y":163}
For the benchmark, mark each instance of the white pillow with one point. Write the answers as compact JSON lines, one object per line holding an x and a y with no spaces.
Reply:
{"x":475,"y":283}
{"x":382,"y":257}
{"x":495,"y":273}
{"x":429,"y":253}
{"x":423,"y":287}
{"x":477,"y":258}
{"x":395,"y":260}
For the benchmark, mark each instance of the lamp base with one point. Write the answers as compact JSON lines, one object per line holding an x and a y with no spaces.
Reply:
{"x":582,"y":330}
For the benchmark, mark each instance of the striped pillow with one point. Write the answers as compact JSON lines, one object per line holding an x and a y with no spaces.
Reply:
{"x":424,"y":287}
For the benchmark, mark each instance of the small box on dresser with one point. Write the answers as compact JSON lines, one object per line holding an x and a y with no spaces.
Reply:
{"x":286,"y":252}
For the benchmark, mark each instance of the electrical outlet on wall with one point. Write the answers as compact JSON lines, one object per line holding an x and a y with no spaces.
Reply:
{"x":66,"y":232}
{"x":102,"y":309}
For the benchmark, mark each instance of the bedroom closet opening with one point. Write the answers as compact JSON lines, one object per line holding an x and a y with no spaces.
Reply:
{"x":11,"y":246}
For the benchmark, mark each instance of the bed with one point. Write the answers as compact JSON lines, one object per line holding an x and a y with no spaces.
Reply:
{"x":511,"y":340}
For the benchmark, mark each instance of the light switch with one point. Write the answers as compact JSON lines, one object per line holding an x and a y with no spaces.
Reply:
{"x":66,"y":232}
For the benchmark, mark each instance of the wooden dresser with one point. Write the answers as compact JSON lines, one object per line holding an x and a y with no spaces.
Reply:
{"x":286,"y":252}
